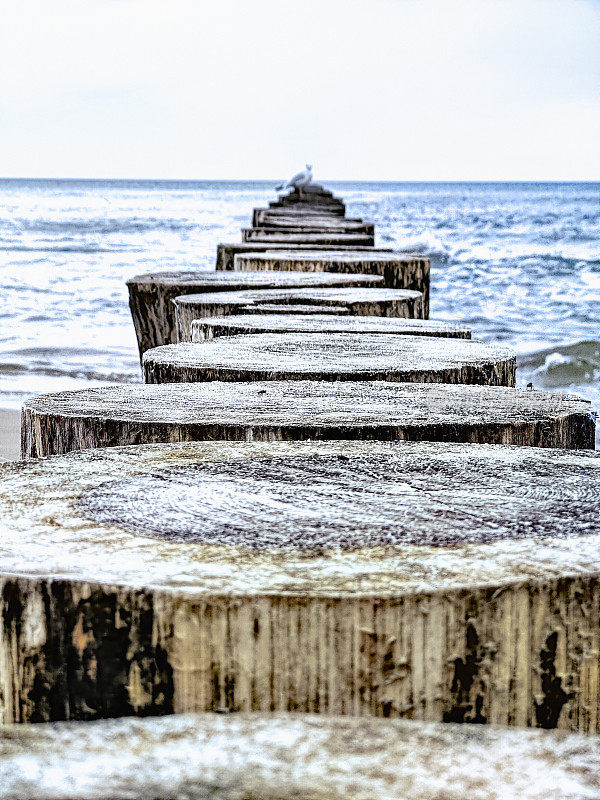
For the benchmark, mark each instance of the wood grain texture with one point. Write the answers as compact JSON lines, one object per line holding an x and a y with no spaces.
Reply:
{"x":329,"y":213}
{"x":254,"y":319}
{"x":314,"y":223}
{"x":227,"y":252}
{"x":275,"y":756}
{"x":300,"y":410}
{"x":437,"y":581}
{"x":399,"y":270}
{"x":368,"y":301}
{"x":332,"y":357}
{"x":305,"y":236}
{"x":151,"y":295}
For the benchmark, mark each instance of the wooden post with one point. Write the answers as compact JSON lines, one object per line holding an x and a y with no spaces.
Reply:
{"x":299,"y":410}
{"x":332,"y":357}
{"x":254,"y":319}
{"x":358,"y":302}
{"x":444,"y":582}
{"x":305,"y":236}
{"x":227,"y":252}
{"x":272,"y":756}
{"x":399,"y":270}
{"x":151,"y":295}
{"x":262,"y":215}
{"x":313,"y":223}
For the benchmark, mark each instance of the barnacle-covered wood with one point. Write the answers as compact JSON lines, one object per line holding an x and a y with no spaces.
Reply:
{"x":399,"y":270}
{"x":296,"y":410}
{"x":306,"y":236}
{"x":332,"y":357}
{"x":151,"y":295}
{"x":275,"y":756}
{"x":251,"y":320}
{"x":445,"y":582}
{"x":227,"y":252}
{"x":367,"y":301}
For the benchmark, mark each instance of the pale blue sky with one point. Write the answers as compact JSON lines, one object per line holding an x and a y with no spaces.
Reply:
{"x":364,"y":89}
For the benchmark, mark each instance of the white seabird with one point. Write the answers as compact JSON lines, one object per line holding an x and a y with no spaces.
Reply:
{"x":299,"y":180}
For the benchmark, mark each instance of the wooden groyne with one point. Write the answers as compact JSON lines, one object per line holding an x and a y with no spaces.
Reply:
{"x":254,"y":319}
{"x":226,"y":252}
{"x":332,"y":357}
{"x":301,"y":410}
{"x":399,"y":271}
{"x":368,"y":301}
{"x":273,"y":756}
{"x":151,"y":296}
{"x":444,"y":582}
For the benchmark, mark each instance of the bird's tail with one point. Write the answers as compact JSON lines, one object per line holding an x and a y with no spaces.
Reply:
{"x":281,"y":186}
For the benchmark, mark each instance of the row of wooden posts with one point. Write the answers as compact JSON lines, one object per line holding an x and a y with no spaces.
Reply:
{"x":319,"y":512}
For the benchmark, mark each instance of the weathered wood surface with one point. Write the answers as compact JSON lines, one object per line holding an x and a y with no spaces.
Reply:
{"x":305,"y":236}
{"x":275,"y":756}
{"x":254,"y":319}
{"x":261,"y":215}
{"x":399,"y":270}
{"x":314,"y":223}
{"x":435,"y":581}
{"x":227,"y":252}
{"x":299,"y":410}
{"x":332,"y":357}
{"x":368,"y":301}
{"x":313,"y":194}
{"x":151,"y":295}
{"x":292,"y":308}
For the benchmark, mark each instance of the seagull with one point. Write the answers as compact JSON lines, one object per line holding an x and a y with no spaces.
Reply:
{"x":299,"y":180}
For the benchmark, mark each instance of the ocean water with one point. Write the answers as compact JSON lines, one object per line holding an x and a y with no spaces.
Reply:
{"x":519,"y":263}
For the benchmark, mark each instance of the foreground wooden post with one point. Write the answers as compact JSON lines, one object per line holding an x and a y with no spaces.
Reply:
{"x":298,"y":410}
{"x":399,"y":270}
{"x":227,"y":252}
{"x":291,"y":756}
{"x":151,"y":295}
{"x":255,"y":319}
{"x":397,"y":303}
{"x":435,"y":581}
{"x":332,"y":357}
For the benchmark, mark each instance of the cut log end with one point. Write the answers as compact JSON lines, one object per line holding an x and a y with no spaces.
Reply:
{"x":284,"y":756}
{"x":273,"y":410}
{"x":332,"y":356}
{"x":303,"y":576}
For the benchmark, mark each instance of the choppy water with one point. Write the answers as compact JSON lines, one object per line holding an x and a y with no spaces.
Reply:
{"x":520,"y":263}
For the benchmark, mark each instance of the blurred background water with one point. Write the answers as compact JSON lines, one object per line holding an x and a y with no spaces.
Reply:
{"x":519,"y":263}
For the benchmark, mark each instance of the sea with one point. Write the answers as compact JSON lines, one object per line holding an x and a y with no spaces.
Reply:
{"x":518,"y":262}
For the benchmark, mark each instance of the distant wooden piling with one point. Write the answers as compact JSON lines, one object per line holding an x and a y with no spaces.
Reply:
{"x":305,"y":236}
{"x":332,"y":357}
{"x":399,"y":270}
{"x":151,"y":295}
{"x":271,"y":756}
{"x":368,"y":301}
{"x":299,"y":410}
{"x":438,"y":581}
{"x":227,"y":252}
{"x":255,"y":319}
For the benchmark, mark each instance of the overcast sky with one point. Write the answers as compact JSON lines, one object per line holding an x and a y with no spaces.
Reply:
{"x":363,"y":89}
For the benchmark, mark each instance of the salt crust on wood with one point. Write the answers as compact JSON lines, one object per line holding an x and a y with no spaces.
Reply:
{"x":151,"y":295}
{"x":368,"y":301}
{"x":298,"y":410}
{"x":211,"y":757}
{"x":434,"y":581}
{"x":276,"y":321}
{"x":332,"y":356}
{"x":227,"y":252}
{"x":399,"y":270}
